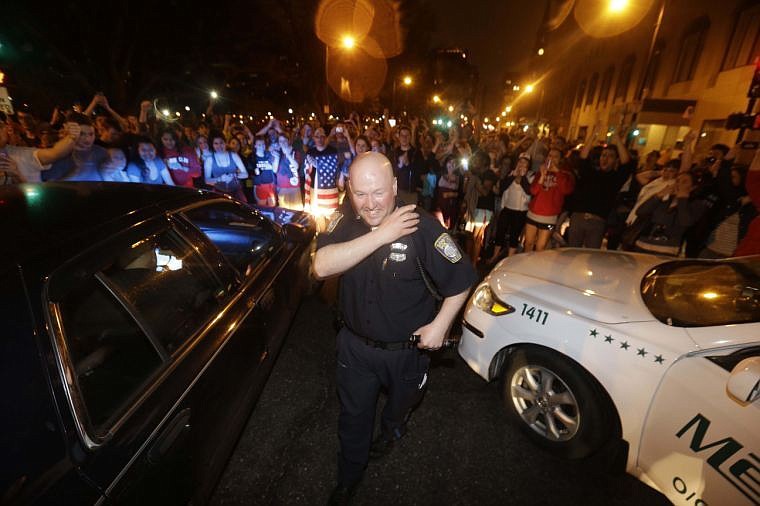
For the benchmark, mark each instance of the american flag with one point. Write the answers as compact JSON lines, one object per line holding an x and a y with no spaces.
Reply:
{"x":321,"y":181}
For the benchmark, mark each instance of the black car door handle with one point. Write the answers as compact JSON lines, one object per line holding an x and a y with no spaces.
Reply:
{"x":173,"y":433}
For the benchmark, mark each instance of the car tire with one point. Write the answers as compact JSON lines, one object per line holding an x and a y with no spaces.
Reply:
{"x":556,"y":403}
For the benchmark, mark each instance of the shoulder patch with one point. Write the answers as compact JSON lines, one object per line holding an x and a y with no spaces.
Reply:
{"x":334,"y":220}
{"x":446,"y":246}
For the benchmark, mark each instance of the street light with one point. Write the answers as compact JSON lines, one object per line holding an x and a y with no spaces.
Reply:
{"x":348,"y":42}
{"x":508,"y":108}
{"x":214,"y":94}
{"x":529,"y":88}
{"x":540,"y":51}
{"x":451,"y":108}
{"x":407,"y":82}
{"x":618,"y":5}
{"x":436,"y":99}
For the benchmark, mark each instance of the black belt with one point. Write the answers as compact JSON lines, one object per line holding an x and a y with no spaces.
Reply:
{"x":386,"y":345}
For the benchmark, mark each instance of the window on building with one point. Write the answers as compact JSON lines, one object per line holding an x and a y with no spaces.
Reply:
{"x":744,"y":45}
{"x":581,"y":93}
{"x":691,"y":48}
{"x":654,"y":68}
{"x":591,"y":93}
{"x":604,"y":90}
{"x":624,"y":80}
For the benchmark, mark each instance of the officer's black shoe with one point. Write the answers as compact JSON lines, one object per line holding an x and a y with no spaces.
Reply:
{"x":342,"y":495}
{"x":382,"y":447}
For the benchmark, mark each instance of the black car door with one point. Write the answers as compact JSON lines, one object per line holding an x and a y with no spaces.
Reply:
{"x":269,"y":265}
{"x":139,"y":321}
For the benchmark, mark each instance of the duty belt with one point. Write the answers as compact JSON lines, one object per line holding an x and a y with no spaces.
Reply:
{"x":406,"y":344}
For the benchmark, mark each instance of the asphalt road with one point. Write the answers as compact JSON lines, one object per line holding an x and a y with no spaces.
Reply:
{"x":459,"y":448}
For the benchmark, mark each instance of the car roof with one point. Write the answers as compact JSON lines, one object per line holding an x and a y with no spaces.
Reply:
{"x":46,"y":216}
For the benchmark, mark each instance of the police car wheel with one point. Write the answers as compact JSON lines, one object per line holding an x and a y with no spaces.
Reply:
{"x":556,"y":403}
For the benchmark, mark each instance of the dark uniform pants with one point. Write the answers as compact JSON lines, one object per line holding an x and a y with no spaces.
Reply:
{"x":586,"y":230}
{"x":362,"y":371}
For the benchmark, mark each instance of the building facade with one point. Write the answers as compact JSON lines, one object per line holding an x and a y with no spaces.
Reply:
{"x":697,"y":73}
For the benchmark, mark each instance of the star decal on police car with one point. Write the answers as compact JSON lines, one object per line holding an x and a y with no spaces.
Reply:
{"x":624,"y":345}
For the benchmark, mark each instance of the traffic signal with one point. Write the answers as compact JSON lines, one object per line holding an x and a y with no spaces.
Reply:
{"x":754,"y":87}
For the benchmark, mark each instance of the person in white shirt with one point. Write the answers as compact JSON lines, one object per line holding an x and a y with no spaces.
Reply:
{"x":21,"y":164}
{"x":514,"y":208}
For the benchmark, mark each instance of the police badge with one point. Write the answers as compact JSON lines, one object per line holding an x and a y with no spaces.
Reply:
{"x":446,"y":246}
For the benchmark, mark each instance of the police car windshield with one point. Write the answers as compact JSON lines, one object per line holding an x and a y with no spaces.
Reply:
{"x":702,"y":293}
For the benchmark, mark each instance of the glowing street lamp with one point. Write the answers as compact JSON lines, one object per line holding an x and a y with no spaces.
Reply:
{"x":407,"y":80}
{"x":214,"y":94}
{"x":618,"y":5}
{"x":508,"y":108}
{"x":348,"y":42}
{"x":529,"y":88}
{"x":451,"y":108}
{"x":540,"y":51}
{"x":436,"y":99}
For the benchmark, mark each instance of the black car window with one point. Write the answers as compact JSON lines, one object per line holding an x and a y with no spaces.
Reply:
{"x":169,"y":285}
{"x":244,"y":238}
{"x":111,"y":356}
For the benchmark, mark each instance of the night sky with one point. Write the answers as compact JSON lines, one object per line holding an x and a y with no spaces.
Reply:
{"x":135,"y":49}
{"x":500,"y":35}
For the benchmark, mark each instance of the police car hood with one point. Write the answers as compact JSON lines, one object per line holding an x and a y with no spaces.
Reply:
{"x":604,"y":286}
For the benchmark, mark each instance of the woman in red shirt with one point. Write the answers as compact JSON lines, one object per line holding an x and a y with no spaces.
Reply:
{"x":549,"y":188}
{"x":181,"y":161}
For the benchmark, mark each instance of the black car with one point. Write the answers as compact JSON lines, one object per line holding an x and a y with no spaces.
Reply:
{"x":140,"y":324}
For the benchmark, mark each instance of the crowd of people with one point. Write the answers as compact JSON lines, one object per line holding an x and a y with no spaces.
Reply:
{"x":501,"y":191}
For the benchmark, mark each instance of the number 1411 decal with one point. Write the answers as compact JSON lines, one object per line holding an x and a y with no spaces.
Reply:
{"x":533,"y":312}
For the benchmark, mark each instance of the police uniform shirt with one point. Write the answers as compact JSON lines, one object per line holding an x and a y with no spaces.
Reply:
{"x":384,"y":297}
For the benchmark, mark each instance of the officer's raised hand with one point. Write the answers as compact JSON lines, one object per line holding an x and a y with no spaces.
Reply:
{"x":403,"y":221}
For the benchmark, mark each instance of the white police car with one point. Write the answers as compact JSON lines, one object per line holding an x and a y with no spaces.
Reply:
{"x":593,"y":346}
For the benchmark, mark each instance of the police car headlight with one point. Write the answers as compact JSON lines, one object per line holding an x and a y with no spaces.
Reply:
{"x":485,"y":300}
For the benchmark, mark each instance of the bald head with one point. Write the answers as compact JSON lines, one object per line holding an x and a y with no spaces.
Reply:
{"x":372,"y":187}
{"x":376,"y":163}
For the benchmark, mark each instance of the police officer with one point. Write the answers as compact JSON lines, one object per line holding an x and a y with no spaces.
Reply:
{"x":393,"y":260}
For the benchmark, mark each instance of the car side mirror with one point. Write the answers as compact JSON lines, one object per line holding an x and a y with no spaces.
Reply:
{"x":297,"y":233}
{"x":744,"y":380}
